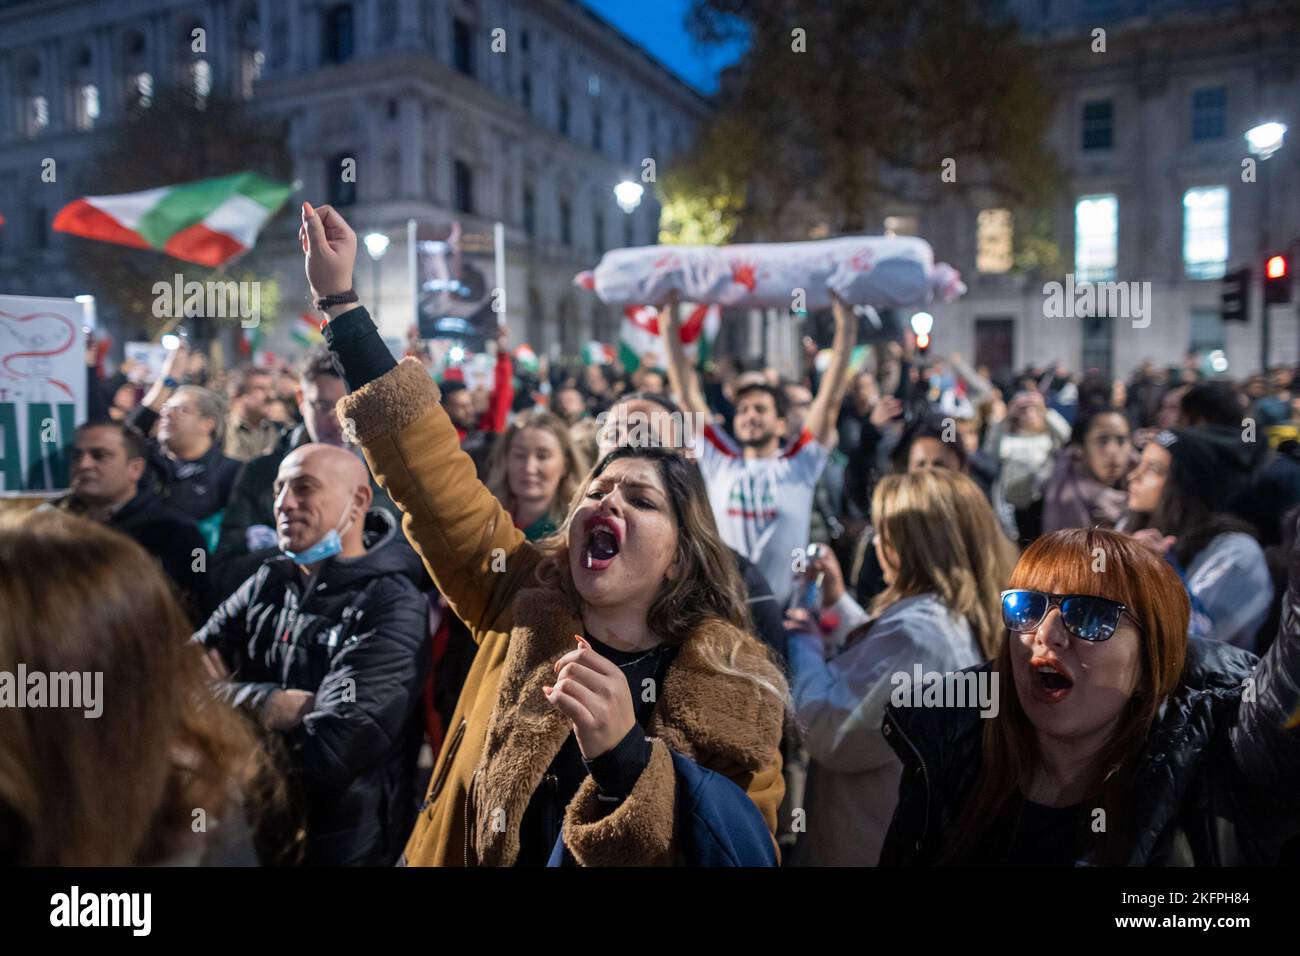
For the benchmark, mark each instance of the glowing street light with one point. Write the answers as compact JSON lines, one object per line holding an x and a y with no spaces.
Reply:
{"x":376,"y":245}
{"x":628,"y":194}
{"x":1265,"y":139}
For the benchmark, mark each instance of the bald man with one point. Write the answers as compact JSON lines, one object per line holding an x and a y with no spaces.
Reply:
{"x":326,"y":646}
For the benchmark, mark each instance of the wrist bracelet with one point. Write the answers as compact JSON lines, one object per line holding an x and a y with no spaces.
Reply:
{"x":336,"y":298}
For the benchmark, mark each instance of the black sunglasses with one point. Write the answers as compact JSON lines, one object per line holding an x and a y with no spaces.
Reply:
{"x":1086,"y":616}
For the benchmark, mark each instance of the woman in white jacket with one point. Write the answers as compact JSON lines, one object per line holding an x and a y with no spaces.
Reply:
{"x":945,"y":560}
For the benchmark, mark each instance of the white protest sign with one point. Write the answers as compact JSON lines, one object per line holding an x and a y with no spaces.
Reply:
{"x":42,"y":388}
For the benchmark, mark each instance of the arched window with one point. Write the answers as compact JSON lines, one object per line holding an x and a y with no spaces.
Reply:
{"x":33,"y":102}
{"x":252,"y":58}
{"x":85,"y":92}
{"x":139,"y":79}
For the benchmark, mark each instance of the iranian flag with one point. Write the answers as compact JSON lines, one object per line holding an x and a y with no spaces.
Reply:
{"x":305,"y":331}
{"x":639,"y":342}
{"x":209,"y":221}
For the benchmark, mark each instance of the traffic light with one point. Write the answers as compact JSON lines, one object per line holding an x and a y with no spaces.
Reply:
{"x":1235,"y":296}
{"x":1277,"y":280}
{"x":923,"y":343}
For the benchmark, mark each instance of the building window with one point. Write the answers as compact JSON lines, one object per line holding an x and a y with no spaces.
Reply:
{"x":1098,"y":124}
{"x":393,"y":174}
{"x":1207,"y":331}
{"x":566,"y":223}
{"x":280,"y":41}
{"x":530,"y":212}
{"x":629,"y":231}
{"x":593,"y":85}
{"x":87,"y":106}
{"x":140,"y":91}
{"x":564,"y":114}
{"x":1096,"y":238}
{"x":1098,"y":345}
{"x":993,"y":241}
{"x":627,"y":142}
{"x":464,"y":177}
{"x":251,"y":58}
{"x":342,"y":192}
{"x":523,"y":41}
{"x":598,"y":231}
{"x":462,"y":46}
{"x":200,"y":82}
{"x":338,"y":34}
{"x":597,"y":133}
{"x":1209,"y":113}
{"x":1205,"y":232}
{"x":40,"y":228}
{"x":526,"y":92}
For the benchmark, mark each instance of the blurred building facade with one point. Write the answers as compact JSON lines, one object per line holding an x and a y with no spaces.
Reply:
{"x":1150,"y":133}
{"x":526,"y":112}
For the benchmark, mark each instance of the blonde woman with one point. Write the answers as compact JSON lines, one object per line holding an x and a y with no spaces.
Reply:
{"x":944,"y":560}
{"x":618,"y":712}
{"x":534,"y":471}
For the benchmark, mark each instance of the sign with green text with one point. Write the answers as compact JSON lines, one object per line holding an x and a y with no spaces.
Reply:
{"x":42,"y":388}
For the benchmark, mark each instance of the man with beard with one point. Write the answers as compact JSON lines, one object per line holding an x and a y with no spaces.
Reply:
{"x":108,"y":459}
{"x":762,"y":492}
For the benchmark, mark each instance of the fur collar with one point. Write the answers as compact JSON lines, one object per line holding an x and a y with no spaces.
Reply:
{"x":723,"y":722}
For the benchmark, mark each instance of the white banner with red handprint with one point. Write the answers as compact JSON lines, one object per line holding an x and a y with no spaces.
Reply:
{"x":880,"y":271}
{"x":42,"y":389}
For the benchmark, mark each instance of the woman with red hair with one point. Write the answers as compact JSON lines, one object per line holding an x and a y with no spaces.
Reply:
{"x":1117,"y":740}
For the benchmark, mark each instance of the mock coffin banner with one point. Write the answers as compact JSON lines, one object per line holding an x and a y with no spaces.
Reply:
{"x":42,"y":389}
{"x":880,"y":271}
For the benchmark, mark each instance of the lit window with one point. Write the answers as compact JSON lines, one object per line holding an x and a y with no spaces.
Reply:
{"x":1205,"y":232}
{"x":142,"y":90}
{"x":1096,"y":238}
{"x":593,"y":85}
{"x":87,"y":106}
{"x":993,"y":241}
{"x":38,"y":114}
{"x":200,"y":82}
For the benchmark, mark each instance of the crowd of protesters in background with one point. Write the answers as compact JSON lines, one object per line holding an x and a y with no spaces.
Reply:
{"x":385,"y":610}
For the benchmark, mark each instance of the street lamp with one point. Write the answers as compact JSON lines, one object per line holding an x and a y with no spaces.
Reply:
{"x":376,"y":245}
{"x":922,"y":323}
{"x":628,"y":195}
{"x":1263,"y":141}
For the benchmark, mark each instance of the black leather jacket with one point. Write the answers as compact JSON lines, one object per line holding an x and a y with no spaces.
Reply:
{"x":1218,"y":783}
{"x":355,"y":635}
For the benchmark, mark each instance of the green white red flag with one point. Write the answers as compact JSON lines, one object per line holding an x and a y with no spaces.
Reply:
{"x":306,"y":332}
{"x":210,"y":221}
{"x":639,"y":342}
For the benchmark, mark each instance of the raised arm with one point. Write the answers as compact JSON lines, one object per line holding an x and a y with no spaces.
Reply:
{"x":476,"y":555}
{"x":825,"y":407}
{"x":682,"y":377}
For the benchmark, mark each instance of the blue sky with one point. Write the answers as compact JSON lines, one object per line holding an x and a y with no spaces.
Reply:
{"x":659,"y":26}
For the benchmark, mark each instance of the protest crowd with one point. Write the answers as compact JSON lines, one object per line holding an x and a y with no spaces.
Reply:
{"x":688,"y":616}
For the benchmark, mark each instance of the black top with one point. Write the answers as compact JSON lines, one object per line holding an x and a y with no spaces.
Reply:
{"x":615,"y":771}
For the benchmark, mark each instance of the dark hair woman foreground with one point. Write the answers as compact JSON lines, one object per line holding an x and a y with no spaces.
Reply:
{"x":1118,"y":740}
{"x":617,"y":711}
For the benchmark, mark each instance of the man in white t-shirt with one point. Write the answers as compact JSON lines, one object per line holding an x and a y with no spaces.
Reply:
{"x":761,"y":488}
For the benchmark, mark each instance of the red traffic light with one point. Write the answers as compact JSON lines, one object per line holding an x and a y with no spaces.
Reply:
{"x":923,"y":341}
{"x":1275,"y":268}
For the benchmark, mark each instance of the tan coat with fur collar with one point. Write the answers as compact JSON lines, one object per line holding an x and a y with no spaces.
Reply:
{"x":504,"y":734}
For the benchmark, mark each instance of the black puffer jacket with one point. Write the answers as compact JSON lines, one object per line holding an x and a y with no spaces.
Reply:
{"x":1218,"y":783}
{"x":355,"y":635}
